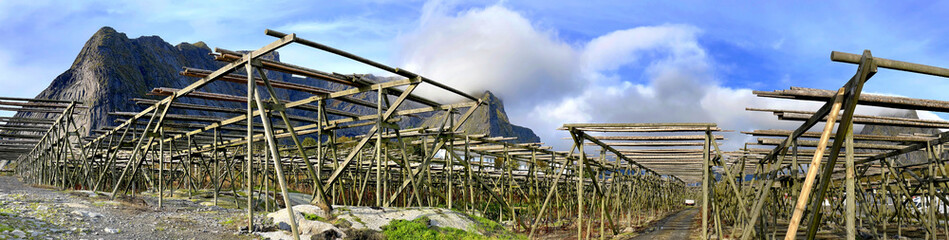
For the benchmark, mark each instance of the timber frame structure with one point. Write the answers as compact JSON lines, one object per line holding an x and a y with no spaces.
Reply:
{"x":256,"y":154}
{"x":642,"y":171}
{"x":883,"y":196}
{"x":625,"y":158}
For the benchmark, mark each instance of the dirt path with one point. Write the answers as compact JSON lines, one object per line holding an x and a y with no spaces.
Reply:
{"x":29,"y":212}
{"x":676,"y":226}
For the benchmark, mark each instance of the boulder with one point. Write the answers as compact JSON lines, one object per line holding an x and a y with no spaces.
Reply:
{"x":374,"y":218}
{"x":307,"y":227}
{"x":86,"y":214}
{"x":19,"y":233}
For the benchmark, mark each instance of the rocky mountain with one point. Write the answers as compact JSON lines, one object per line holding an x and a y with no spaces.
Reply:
{"x":490,"y":119}
{"x":909,"y":158}
{"x":112,"y":69}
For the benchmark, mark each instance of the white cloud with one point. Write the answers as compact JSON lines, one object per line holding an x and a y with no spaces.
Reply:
{"x":492,"y":48}
{"x":927,"y":115}
{"x":343,"y":28}
{"x":624,"y":47}
{"x":546,"y":82}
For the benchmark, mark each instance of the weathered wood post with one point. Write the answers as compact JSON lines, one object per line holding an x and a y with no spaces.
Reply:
{"x":706,"y":181}
{"x":251,"y":87}
{"x":851,"y":195}
{"x":271,"y":142}
{"x":161,"y":168}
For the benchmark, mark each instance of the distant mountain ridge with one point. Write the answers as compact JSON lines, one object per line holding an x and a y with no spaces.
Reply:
{"x":902,"y":159}
{"x":112,"y":69}
{"x":490,"y":119}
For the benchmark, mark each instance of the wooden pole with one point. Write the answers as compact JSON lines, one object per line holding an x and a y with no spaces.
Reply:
{"x":814,"y":168}
{"x":161,"y":173}
{"x":580,"y":166}
{"x":378,"y":152}
{"x":250,"y":147}
{"x":866,"y":70}
{"x":705,"y":182}
{"x":271,"y":142}
{"x":851,"y":203}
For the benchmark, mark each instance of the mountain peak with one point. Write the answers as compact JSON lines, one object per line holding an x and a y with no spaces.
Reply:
{"x":908,"y":158}
{"x":111,"y":69}
{"x":492,"y":98}
{"x":196,"y":45}
{"x":490,"y":94}
{"x":491,"y":119}
{"x":106,"y":30}
{"x":104,"y":39}
{"x":201,"y":44}
{"x":105,"y":36}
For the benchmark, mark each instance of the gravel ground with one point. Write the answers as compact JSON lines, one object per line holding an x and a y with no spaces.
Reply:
{"x":675,"y":226}
{"x":29,"y":212}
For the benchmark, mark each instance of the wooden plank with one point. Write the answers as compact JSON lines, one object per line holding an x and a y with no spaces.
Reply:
{"x":638,"y":125}
{"x":401,"y":72}
{"x":237,"y":78}
{"x":226,"y":69}
{"x":812,"y":143}
{"x":35,"y":110}
{"x":812,"y":94}
{"x":783,"y":133}
{"x":39,"y":100}
{"x":663,"y":129}
{"x":37,"y":104}
{"x":651,"y":144}
{"x":654,"y":138}
{"x":904,"y":122}
{"x":890,"y":64}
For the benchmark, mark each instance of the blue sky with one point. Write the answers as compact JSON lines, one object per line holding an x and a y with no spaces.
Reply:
{"x":578,"y":61}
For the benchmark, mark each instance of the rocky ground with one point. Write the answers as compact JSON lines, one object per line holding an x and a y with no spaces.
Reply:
{"x":675,"y":226}
{"x":352,"y":222}
{"x":34,"y":212}
{"x":42,"y":212}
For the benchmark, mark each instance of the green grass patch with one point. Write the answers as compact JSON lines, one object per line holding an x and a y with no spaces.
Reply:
{"x":229,"y":221}
{"x":494,"y":230}
{"x":357,"y":219}
{"x":312,"y":217}
{"x":418,"y":229}
{"x":486,"y":225}
{"x":105,"y":203}
{"x":4,"y":227}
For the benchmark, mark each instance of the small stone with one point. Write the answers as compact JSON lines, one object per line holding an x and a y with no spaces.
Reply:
{"x":111,"y":230}
{"x":88,"y":214}
{"x":75,"y":205}
{"x":19,"y":233}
